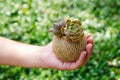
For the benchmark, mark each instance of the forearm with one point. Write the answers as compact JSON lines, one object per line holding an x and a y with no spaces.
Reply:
{"x":16,"y":54}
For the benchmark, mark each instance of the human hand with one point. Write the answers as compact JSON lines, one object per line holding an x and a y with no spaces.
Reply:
{"x":49,"y":59}
{"x":25,"y":55}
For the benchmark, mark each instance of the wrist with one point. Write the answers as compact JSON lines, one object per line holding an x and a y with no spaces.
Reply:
{"x":35,"y":57}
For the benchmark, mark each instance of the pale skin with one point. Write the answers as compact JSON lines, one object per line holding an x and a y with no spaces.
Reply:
{"x":30,"y":56}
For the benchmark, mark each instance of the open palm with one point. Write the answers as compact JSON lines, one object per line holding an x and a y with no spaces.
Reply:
{"x":53,"y":62}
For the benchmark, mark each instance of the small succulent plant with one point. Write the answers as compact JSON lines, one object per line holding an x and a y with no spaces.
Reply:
{"x":69,"y":40}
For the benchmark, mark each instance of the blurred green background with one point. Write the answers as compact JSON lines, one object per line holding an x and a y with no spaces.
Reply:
{"x":28,"y":21}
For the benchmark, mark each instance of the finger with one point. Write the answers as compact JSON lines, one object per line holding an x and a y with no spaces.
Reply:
{"x":89,"y":49}
{"x":79,"y":62}
{"x":88,"y":35}
{"x":90,"y":40}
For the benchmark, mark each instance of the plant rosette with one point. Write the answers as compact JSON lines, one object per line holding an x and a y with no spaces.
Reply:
{"x":69,"y":39}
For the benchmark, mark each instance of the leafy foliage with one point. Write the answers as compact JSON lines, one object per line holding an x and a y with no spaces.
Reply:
{"x":28,"y":21}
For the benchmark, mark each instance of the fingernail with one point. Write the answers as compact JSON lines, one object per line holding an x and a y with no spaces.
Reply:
{"x":90,"y":45}
{"x":85,"y":54}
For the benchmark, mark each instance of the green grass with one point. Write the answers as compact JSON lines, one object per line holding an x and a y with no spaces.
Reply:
{"x":28,"y":21}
